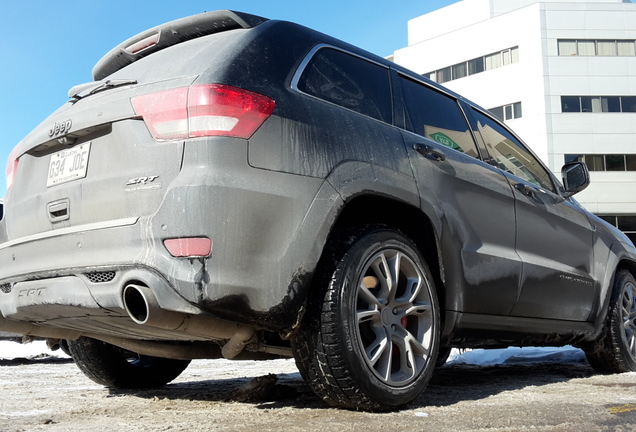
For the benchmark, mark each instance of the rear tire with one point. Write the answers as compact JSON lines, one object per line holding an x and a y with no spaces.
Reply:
{"x":115,"y":367}
{"x":615,"y":351}
{"x":370,"y":336}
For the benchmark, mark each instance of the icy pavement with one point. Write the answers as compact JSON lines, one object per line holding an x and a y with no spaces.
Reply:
{"x":513,"y":355}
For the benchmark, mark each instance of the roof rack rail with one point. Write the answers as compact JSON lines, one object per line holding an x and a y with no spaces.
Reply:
{"x":171,"y":33}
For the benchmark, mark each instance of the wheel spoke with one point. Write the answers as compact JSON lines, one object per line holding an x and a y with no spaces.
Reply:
{"x":407,"y":360}
{"x":367,"y":284}
{"x":412,"y":354}
{"x":417,"y":309}
{"x":394,"y":268}
{"x":380,"y":268}
{"x":364,"y":316}
{"x":379,"y":356}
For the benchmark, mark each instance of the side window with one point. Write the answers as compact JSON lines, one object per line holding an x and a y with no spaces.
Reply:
{"x":350,"y":82}
{"x":511,"y":155}
{"x":436,"y":116}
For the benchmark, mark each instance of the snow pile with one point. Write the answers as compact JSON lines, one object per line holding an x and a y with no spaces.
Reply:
{"x":11,"y":350}
{"x":513,"y":355}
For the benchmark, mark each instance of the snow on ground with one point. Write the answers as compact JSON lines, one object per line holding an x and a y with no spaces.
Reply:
{"x":10,"y":350}
{"x":513,"y":355}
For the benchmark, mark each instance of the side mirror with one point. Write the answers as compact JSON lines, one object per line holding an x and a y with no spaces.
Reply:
{"x":576,"y":177}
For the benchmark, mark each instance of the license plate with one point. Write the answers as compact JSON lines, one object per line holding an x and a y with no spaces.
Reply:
{"x":68,"y":165}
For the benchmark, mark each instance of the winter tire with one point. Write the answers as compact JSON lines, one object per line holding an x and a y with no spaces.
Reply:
{"x":442,"y":356}
{"x":615,"y":351}
{"x":370,"y":336}
{"x":112,"y":366}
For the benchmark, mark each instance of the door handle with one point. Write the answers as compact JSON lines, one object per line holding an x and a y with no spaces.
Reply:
{"x":526,"y":190}
{"x":429,"y":152}
{"x":59,"y":210}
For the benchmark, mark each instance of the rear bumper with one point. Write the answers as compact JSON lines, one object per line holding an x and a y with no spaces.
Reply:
{"x":267,"y":228}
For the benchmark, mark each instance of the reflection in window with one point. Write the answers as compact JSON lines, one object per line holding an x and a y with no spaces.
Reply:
{"x":625,"y":223}
{"x":510,"y":154}
{"x":350,"y":82}
{"x":436,"y":116}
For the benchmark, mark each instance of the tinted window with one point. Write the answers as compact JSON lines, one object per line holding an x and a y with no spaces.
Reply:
{"x":570,"y":104}
{"x":350,"y":82}
{"x":615,"y":162}
{"x":511,"y":155}
{"x":628,"y":103}
{"x":436,"y":116}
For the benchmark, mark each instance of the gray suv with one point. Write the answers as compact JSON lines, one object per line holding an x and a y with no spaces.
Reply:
{"x":232,"y":186}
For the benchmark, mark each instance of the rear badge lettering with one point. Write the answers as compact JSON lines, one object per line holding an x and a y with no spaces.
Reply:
{"x":31,"y":292}
{"x":60,"y":128}
{"x":142,"y":183}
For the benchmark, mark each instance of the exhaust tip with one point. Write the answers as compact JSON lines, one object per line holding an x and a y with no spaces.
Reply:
{"x":136,"y":304}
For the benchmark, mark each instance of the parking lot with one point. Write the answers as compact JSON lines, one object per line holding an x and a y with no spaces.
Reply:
{"x":51,"y":394}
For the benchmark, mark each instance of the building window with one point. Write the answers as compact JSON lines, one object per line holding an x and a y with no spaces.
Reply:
{"x":596,"y":47}
{"x":598,"y":104}
{"x":475,"y":66}
{"x":507,"y":112}
{"x":626,"y":223}
{"x":608,"y":162}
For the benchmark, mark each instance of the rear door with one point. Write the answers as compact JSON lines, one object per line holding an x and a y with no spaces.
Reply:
{"x":554,"y":236}
{"x":481,"y":266}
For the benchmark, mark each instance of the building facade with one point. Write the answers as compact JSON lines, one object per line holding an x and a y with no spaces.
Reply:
{"x":562,"y":74}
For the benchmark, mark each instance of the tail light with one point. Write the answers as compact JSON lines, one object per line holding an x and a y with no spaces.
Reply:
{"x":203,"y":110}
{"x":12,"y":167}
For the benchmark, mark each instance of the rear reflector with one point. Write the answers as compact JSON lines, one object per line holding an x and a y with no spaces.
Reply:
{"x":12,"y":167}
{"x":203,"y":110}
{"x":189,"y":247}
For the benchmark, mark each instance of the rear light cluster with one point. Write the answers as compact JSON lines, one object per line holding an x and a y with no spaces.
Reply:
{"x":12,"y":167}
{"x":203,"y":110}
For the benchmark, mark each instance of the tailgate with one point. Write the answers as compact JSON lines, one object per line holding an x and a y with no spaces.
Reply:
{"x":91,"y":162}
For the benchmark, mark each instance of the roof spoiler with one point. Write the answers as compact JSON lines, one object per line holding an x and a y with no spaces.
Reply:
{"x":171,"y":33}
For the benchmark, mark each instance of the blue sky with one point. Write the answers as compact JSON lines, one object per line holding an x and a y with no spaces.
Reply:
{"x":48,"y":46}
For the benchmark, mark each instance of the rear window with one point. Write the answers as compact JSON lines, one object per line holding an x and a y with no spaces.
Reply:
{"x":348,"y":81}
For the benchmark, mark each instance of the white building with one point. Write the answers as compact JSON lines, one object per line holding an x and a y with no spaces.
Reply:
{"x":561,"y":73}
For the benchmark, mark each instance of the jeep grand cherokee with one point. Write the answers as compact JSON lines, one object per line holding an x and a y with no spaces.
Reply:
{"x":232,"y":186}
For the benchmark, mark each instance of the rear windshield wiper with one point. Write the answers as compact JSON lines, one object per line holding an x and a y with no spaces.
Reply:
{"x":83,"y":90}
